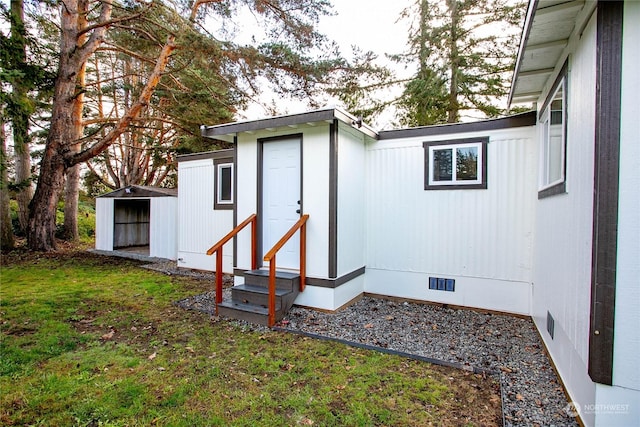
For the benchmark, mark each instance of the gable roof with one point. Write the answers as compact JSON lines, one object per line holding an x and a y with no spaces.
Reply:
{"x":137,"y":191}
{"x":547,"y":29}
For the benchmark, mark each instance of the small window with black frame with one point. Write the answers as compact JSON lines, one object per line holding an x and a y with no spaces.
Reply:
{"x":456,"y":164}
{"x":223,"y":197}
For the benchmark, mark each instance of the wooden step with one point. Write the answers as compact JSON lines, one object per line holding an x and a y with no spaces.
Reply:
{"x":250,"y":301}
{"x":284,"y":279}
{"x":258,"y":295}
{"x":248,"y":312}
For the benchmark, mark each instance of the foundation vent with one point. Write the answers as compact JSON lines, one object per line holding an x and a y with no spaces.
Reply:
{"x":442,"y":284}
{"x":550,"y":324}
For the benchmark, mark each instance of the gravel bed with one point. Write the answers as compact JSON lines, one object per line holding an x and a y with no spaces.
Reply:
{"x":507,"y":345}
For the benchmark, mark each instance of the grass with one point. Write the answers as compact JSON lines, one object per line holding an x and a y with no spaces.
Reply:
{"x":90,"y":341}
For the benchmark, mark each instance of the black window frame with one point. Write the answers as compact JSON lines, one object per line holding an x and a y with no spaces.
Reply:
{"x":482,"y":141}
{"x":561,"y":186}
{"x":217,"y":164}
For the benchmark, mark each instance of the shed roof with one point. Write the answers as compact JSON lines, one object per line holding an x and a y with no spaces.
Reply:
{"x":228,"y":130}
{"x":138,"y":191}
{"x":548,"y":27}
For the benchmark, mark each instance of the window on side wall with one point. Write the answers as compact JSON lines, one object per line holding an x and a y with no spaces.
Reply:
{"x":223,"y":197}
{"x":553,"y":144}
{"x":456,"y":164}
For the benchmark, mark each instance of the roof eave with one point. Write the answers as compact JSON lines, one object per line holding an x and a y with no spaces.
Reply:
{"x":526,"y":29}
{"x":228,"y":131}
{"x":542,"y":52}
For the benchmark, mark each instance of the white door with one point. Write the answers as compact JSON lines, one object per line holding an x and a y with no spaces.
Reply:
{"x":281,"y":198}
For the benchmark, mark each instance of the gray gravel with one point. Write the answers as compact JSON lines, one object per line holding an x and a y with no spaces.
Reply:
{"x":507,"y":345}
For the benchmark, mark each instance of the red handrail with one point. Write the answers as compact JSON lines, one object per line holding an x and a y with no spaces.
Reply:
{"x":217,"y":248}
{"x":271,"y":257}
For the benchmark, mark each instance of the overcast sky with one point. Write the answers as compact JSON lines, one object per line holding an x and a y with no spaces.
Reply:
{"x":371,"y":25}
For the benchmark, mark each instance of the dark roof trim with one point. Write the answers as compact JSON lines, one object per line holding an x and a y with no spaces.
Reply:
{"x":606,"y":190}
{"x":325,"y":115}
{"x":140,"y":191}
{"x":333,"y":200}
{"x":518,"y":120}
{"x":218,"y":154}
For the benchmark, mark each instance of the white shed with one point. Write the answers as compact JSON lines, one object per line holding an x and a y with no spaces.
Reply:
{"x":138,"y":219}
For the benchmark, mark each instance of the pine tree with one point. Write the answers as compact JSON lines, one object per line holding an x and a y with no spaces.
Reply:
{"x":294,"y":58}
{"x":6,"y":230}
{"x":465,"y":50}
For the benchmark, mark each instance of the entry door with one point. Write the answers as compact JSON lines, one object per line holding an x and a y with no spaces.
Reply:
{"x":281,"y":198}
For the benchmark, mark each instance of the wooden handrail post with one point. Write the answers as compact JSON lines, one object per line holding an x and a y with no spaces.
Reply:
{"x":271,"y":257}
{"x":303,"y":255}
{"x":217,"y":249}
{"x":254,"y":251}
{"x":218,"y":278}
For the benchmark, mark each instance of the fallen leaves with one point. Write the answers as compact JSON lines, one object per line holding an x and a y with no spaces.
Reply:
{"x":108,"y":335}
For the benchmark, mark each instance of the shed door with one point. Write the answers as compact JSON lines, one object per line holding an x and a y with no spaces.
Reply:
{"x":131,"y":222}
{"x":281,"y":198}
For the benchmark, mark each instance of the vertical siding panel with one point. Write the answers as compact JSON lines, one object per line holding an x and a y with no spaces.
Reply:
{"x":199,"y":225}
{"x":627,"y":339}
{"x":564,"y":222}
{"x":351,"y":203}
{"x":473,"y":233}
{"x":104,"y":223}
{"x":163,"y":227}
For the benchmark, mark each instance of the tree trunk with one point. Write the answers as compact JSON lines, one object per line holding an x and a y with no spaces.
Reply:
{"x":42,"y":210}
{"x":6,"y":230}
{"x":72,"y":184}
{"x":20,"y":117}
{"x":71,"y":195}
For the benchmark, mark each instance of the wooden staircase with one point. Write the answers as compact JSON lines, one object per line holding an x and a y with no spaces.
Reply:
{"x":250,"y":301}
{"x":266,"y":295}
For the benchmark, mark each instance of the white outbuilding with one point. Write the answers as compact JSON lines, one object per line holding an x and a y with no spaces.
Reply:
{"x":138,"y":219}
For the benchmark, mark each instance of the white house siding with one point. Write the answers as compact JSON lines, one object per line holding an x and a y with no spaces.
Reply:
{"x":199,"y":225}
{"x":163,"y":232}
{"x":331,"y":298}
{"x":351,"y":200}
{"x":626,"y":351}
{"x":481,"y":238}
{"x":315,"y":198}
{"x":564,"y":226}
{"x":315,"y":192}
{"x":247,"y":172}
{"x":104,"y":224}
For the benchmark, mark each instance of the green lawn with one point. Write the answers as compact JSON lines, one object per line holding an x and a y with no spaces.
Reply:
{"x":89,"y":340}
